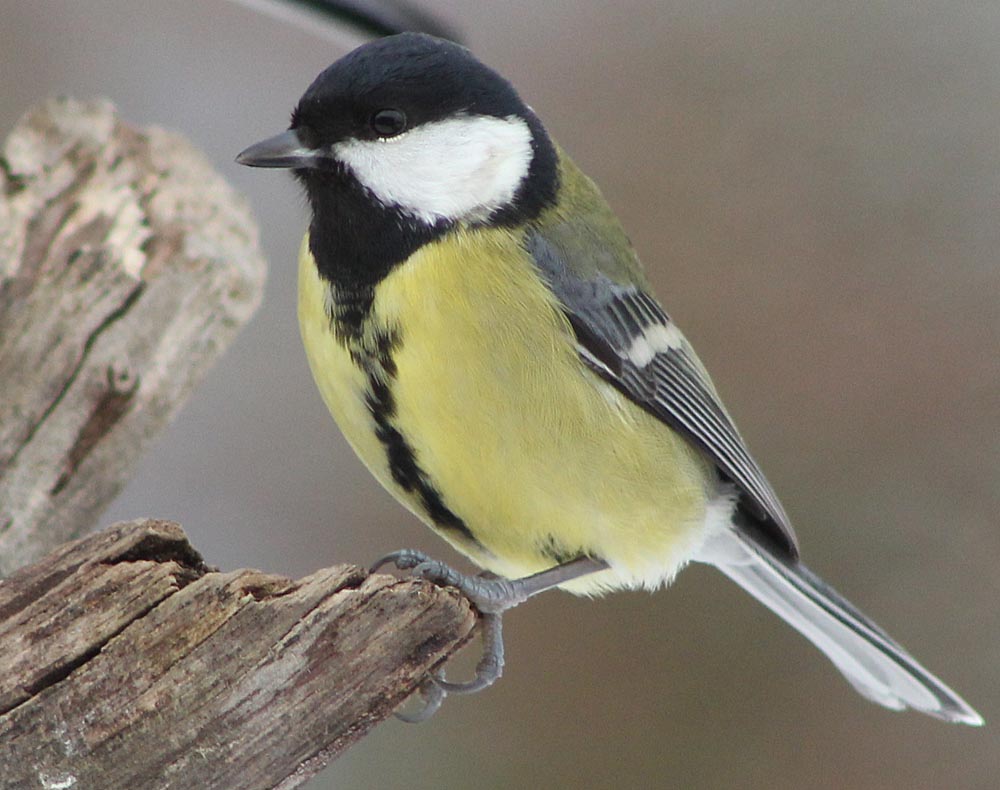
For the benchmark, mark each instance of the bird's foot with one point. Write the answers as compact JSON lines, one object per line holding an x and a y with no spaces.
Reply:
{"x":492,"y":595}
{"x":488,"y":593}
{"x":435,"y":687}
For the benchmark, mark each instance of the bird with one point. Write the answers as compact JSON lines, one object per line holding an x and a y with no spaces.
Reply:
{"x":483,"y":332}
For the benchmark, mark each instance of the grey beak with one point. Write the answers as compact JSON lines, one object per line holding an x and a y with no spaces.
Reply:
{"x":282,"y":150}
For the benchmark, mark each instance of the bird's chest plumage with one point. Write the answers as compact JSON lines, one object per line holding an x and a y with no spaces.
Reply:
{"x":464,"y":395}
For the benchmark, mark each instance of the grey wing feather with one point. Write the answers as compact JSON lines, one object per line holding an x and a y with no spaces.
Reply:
{"x":625,"y":336}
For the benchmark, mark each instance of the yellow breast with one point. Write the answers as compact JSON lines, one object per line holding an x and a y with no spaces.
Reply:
{"x":540,"y":459}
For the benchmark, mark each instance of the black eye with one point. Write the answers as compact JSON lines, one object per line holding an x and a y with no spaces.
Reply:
{"x":388,"y":123}
{"x":307,"y":136}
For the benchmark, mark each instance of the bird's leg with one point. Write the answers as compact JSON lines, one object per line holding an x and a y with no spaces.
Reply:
{"x":492,"y":596}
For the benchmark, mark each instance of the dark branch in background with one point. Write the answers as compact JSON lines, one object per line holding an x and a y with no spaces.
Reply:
{"x":382,"y":17}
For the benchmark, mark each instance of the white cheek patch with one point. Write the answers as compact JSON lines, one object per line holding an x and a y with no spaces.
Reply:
{"x":655,"y":339}
{"x":461,"y":168}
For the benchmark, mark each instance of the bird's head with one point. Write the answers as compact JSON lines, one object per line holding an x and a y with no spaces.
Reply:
{"x":425,"y":129}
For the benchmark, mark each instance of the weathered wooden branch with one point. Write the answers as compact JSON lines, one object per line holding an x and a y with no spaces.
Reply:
{"x":127,"y":663}
{"x":126,"y":266}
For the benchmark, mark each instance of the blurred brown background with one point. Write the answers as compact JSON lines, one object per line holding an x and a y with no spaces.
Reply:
{"x":815,"y":188}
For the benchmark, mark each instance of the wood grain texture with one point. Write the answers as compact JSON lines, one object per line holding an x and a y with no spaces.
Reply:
{"x":126,"y":266}
{"x":128,"y":663}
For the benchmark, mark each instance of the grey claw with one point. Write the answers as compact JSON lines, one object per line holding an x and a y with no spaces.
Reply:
{"x":432,"y":694}
{"x":440,"y":574}
{"x":492,"y":595}
{"x":490,"y":666}
{"x":404,"y":559}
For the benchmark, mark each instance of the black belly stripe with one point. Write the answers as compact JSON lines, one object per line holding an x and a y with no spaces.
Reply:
{"x":380,"y":369}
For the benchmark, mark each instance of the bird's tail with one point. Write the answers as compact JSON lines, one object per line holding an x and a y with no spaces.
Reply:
{"x":868,"y":657}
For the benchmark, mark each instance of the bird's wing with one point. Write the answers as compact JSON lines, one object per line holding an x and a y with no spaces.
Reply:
{"x":624,"y":335}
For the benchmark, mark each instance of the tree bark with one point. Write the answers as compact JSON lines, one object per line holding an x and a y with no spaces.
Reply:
{"x":128,"y":663}
{"x":127,"y":265}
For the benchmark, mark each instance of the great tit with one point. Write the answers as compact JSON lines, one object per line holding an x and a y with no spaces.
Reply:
{"x":481,"y":329}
